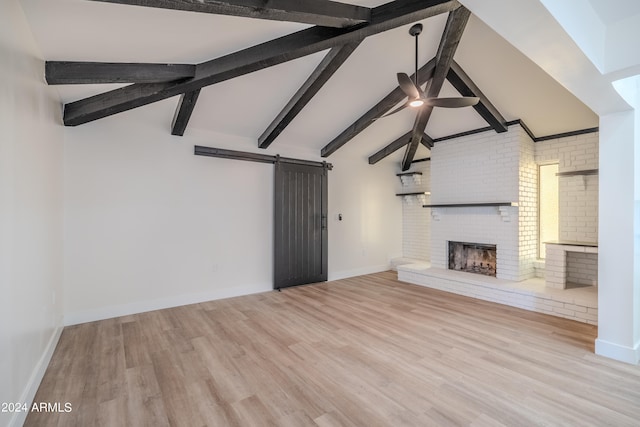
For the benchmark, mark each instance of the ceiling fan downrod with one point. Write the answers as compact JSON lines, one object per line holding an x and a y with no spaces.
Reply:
{"x":415,"y":31}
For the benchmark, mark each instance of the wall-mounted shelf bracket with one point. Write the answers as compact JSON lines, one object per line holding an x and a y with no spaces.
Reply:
{"x":408,"y":178}
{"x":419,"y":197}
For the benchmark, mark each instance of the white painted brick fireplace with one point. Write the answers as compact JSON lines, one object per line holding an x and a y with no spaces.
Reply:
{"x":486,"y":168}
{"x":491,"y":168}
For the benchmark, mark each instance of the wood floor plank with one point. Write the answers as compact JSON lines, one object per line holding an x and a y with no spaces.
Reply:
{"x":254,"y":413}
{"x":144,"y":399}
{"x":137,"y":347}
{"x":223,"y":369}
{"x":213,"y":409}
{"x":333,"y":419}
{"x":171,"y":380}
{"x":364,"y":351}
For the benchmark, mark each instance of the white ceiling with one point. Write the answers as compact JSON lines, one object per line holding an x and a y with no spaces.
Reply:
{"x":80,"y":30}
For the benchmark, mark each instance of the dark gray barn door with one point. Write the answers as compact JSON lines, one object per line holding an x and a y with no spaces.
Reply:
{"x":300,"y":231}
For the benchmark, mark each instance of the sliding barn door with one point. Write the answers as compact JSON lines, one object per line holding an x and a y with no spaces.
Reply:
{"x":300,"y":231}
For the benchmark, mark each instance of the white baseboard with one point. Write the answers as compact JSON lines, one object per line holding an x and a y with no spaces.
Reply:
{"x":338,"y":275}
{"x":110,"y":312}
{"x":618,"y":352}
{"x":30,"y":390}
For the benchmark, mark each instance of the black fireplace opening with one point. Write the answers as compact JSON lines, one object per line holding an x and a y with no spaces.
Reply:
{"x":476,"y":258}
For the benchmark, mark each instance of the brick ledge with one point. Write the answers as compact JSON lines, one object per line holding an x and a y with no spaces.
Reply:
{"x":580,"y":304}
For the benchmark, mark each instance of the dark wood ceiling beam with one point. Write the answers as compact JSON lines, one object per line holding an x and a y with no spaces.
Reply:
{"x":390,"y":149}
{"x":317,"y":12}
{"x":426,"y":141}
{"x":456,"y":23}
{"x":69,"y":73}
{"x":274,"y":52}
{"x":183,"y":113}
{"x":463,"y":84}
{"x":323,"y":72}
{"x":395,"y":146}
{"x":377,"y":111}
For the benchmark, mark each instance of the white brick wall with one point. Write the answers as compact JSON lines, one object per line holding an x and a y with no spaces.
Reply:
{"x":578,"y":201}
{"x":527,"y":206}
{"x":481,"y":168}
{"x":476,"y":168}
{"x":578,"y":195}
{"x":582,"y":268}
{"x":416,"y":228}
{"x":555,"y":273}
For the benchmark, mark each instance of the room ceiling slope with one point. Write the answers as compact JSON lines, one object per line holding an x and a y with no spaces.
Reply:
{"x":95,"y":31}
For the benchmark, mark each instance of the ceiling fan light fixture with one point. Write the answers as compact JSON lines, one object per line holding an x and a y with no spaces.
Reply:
{"x":416,"y":97}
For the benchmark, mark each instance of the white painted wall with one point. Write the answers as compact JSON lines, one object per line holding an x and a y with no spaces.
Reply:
{"x":617,"y":269}
{"x":622,"y":56}
{"x":585,"y":27}
{"x":606,"y":31}
{"x":150,"y":225}
{"x":31,"y":208}
{"x":370,"y":234}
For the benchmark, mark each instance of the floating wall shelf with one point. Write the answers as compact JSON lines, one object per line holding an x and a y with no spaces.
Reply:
{"x":577,"y":173}
{"x":470,"y":205}
{"x":582,"y":173}
{"x":414,"y":194}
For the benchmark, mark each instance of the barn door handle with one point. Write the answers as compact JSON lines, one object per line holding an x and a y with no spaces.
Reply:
{"x":323,"y":222}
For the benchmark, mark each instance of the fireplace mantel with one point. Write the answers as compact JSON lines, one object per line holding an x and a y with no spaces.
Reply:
{"x":504,"y":213}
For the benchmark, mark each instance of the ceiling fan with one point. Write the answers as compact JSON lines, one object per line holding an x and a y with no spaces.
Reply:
{"x":416,"y":95}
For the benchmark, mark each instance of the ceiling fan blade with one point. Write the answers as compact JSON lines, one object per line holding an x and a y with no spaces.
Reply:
{"x":407,"y":86}
{"x":397,"y":110}
{"x":467,"y":101}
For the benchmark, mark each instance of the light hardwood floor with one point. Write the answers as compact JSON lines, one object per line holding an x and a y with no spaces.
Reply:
{"x":365,"y":351}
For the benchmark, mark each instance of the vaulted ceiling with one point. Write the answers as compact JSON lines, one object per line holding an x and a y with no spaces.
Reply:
{"x":95,"y":31}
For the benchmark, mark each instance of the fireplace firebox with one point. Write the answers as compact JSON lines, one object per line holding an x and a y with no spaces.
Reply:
{"x":476,"y":258}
